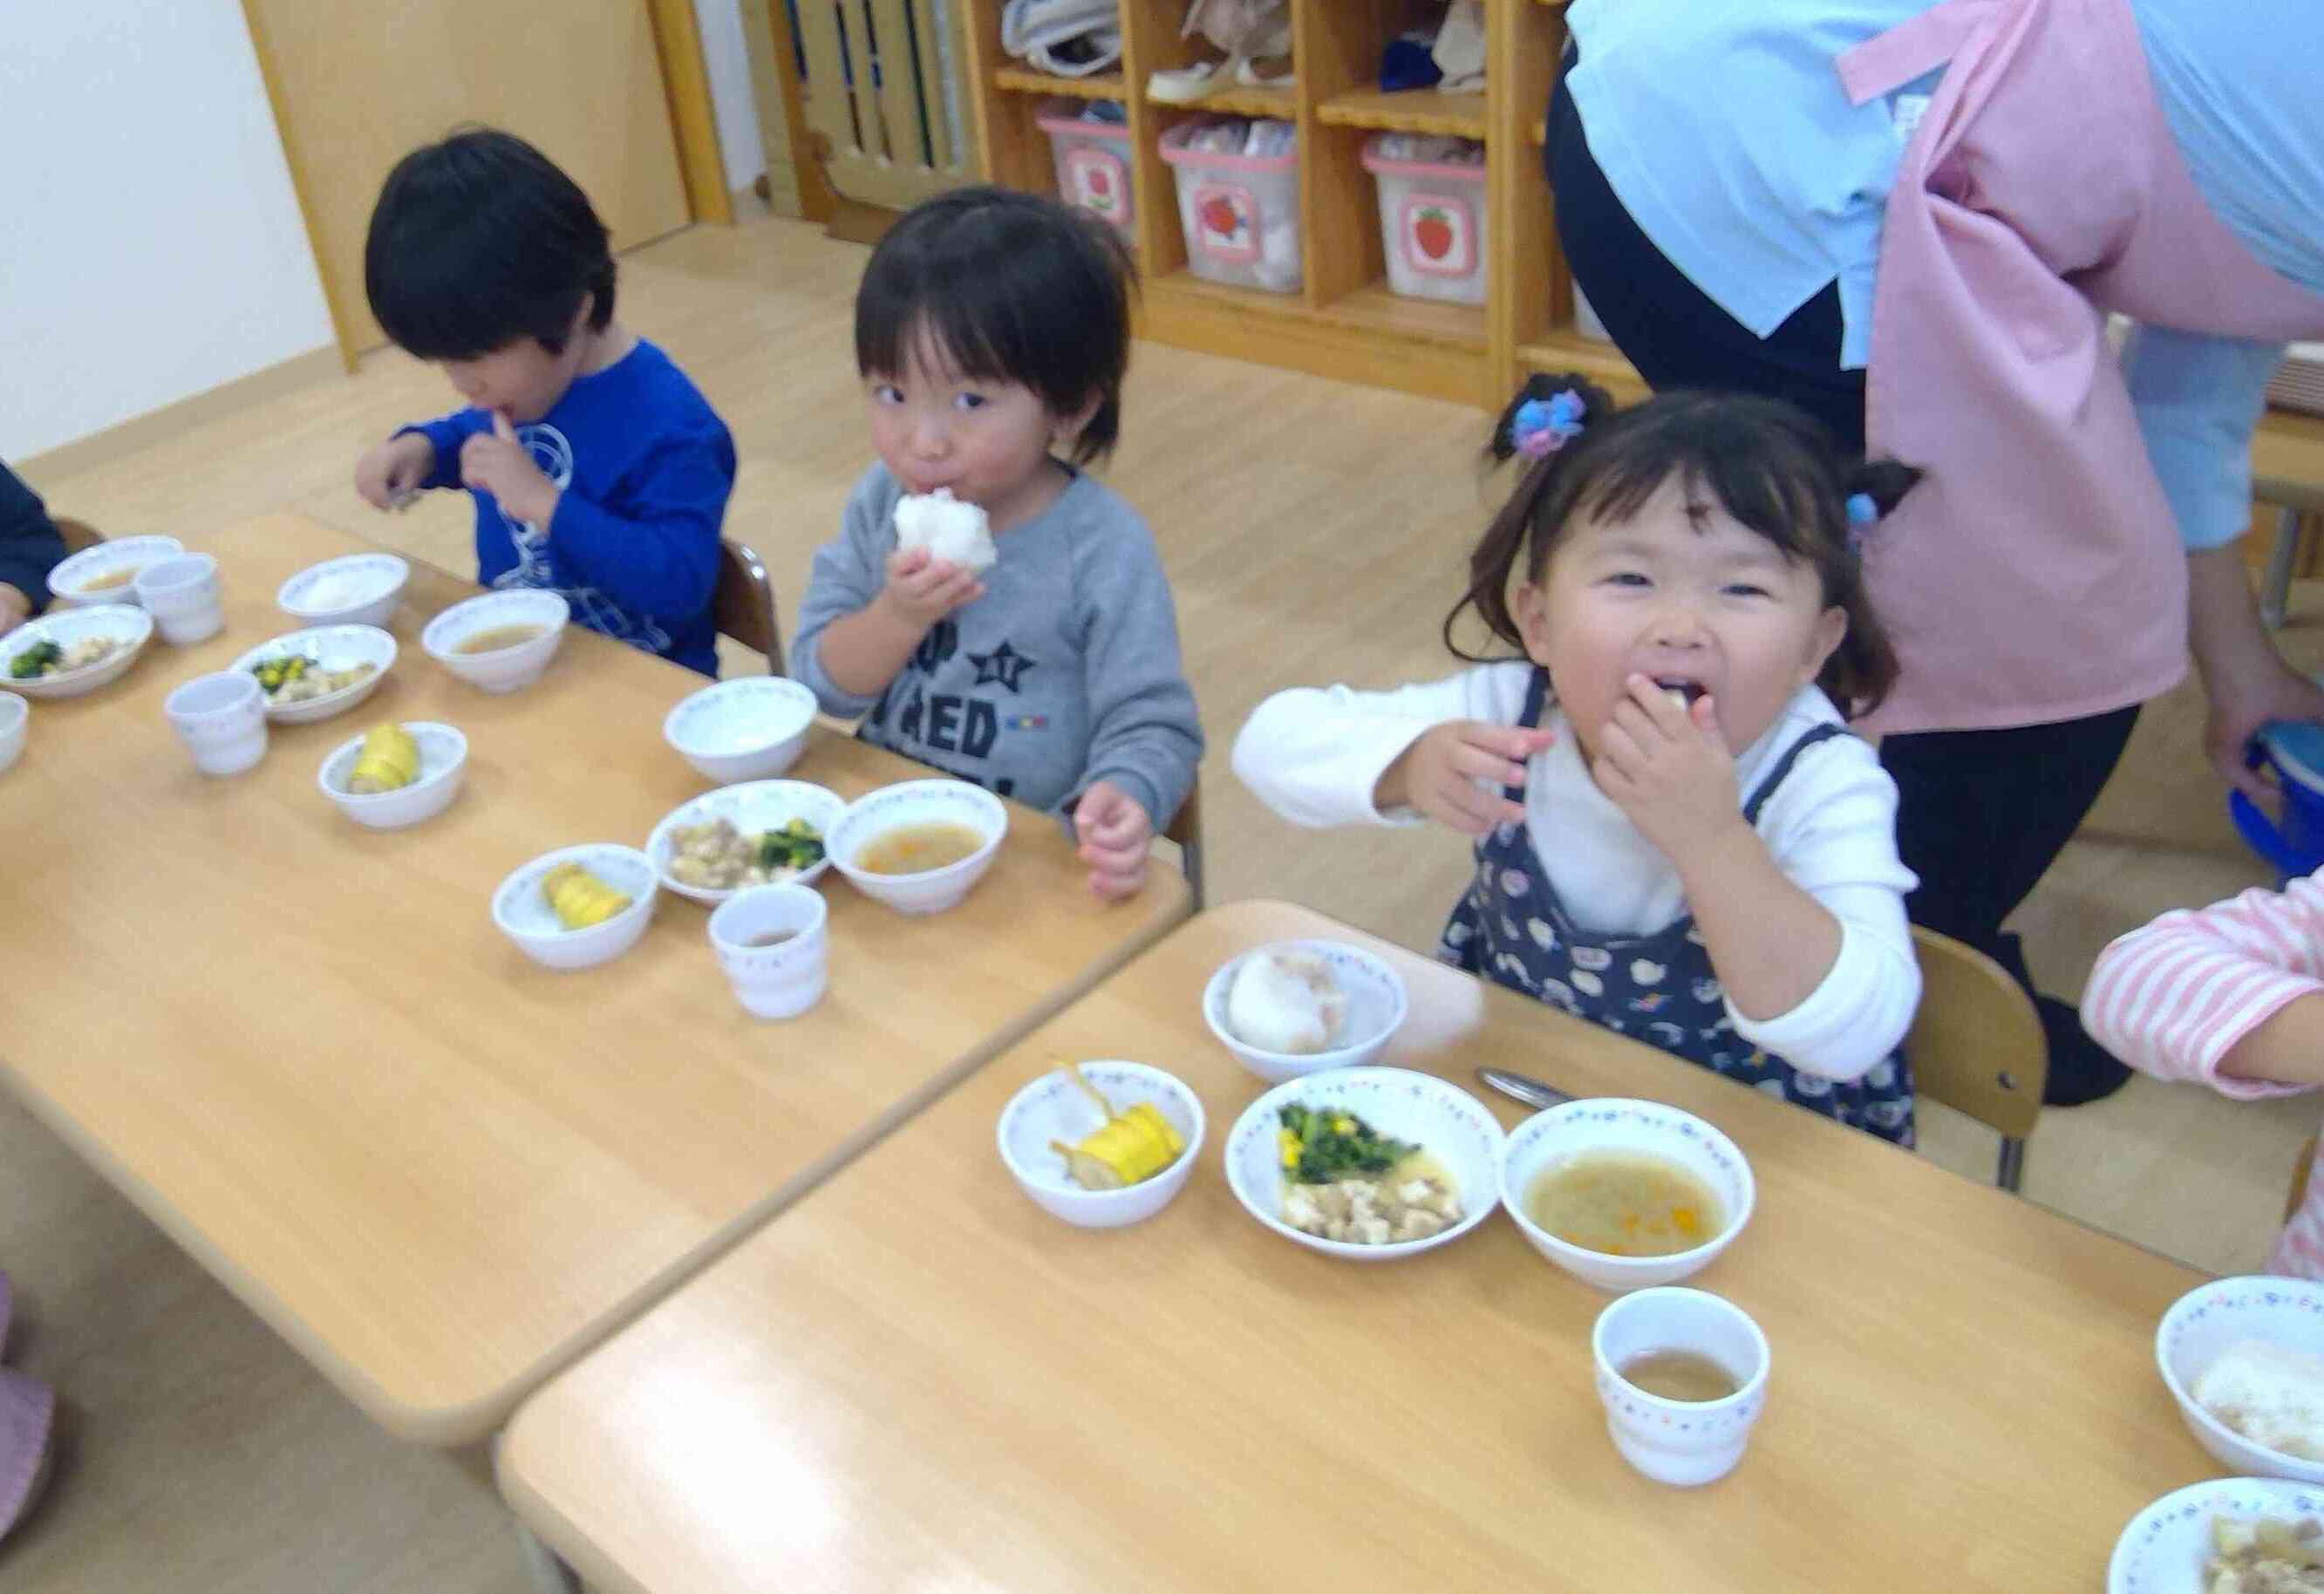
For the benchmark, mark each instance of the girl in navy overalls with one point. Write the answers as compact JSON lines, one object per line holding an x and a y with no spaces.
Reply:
{"x":1676,"y":836}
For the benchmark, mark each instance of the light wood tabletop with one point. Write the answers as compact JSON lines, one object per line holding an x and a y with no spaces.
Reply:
{"x":438,"y":1168}
{"x":916,"y":1379}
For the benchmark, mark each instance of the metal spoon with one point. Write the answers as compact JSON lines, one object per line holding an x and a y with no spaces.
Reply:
{"x":1532,"y":1091}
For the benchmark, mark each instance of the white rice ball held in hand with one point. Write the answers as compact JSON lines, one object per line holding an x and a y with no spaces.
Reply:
{"x":1286,"y":1002}
{"x":954,"y":532}
{"x":2272,"y":1394}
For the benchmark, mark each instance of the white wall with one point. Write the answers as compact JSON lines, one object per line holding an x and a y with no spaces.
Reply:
{"x":151,"y":248}
{"x":728,"y":62}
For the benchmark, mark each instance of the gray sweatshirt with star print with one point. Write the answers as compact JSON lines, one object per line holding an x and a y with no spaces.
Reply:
{"x":1064,"y":673}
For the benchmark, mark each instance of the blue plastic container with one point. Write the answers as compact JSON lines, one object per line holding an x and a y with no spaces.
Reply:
{"x":2295,"y":848}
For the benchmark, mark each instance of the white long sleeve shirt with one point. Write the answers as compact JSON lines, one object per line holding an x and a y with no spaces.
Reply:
{"x":1315,"y":756}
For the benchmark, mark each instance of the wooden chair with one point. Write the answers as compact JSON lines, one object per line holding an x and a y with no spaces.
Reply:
{"x":1976,"y":1045}
{"x":1185,"y":829}
{"x":2299,"y":1179}
{"x":742,"y":604}
{"x":79,"y":535}
{"x":2291,"y":498}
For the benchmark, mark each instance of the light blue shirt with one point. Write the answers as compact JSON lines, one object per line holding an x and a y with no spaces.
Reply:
{"x":1723,"y":127}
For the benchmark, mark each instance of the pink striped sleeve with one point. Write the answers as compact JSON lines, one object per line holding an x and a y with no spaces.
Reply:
{"x":2172,"y":998}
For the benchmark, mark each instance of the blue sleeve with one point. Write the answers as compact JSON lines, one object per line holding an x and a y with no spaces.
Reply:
{"x":446,"y":435}
{"x":848,"y":573}
{"x":2199,"y":398}
{"x":29,"y":545}
{"x":657,"y":554}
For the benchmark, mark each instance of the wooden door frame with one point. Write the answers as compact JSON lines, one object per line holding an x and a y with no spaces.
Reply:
{"x":692,"y":123}
{"x":797,"y":183}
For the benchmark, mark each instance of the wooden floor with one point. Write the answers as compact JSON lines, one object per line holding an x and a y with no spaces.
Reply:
{"x":1314,"y":532}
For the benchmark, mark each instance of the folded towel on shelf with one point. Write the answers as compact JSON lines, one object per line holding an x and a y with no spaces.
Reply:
{"x":1066,"y":38}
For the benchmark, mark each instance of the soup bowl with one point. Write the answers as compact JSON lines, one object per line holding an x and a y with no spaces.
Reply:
{"x":908,"y":805}
{"x":1550,"y":1139}
{"x":499,"y":670}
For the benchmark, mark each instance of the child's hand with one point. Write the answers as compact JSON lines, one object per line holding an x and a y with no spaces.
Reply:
{"x":1436,"y":777}
{"x":923,"y":589}
{"x":389,"y":474}
{"x":497,"y":464}
{"x":1113,"y":829}
{"x":1667,"y":768}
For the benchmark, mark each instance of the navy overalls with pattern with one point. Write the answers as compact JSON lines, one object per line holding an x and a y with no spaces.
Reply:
{"x":1658,"y":988}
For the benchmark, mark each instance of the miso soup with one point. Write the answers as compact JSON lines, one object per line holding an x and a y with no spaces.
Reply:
{"x":915,"y":849}
{"x":1679,"y":1375}
{"x":493,"y":638}
{"x":1625,"y":1203}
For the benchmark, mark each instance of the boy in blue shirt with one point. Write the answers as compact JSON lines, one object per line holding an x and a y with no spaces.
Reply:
{"x":599,"y":471}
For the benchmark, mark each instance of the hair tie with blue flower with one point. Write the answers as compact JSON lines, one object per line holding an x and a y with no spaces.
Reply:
{"x":1540,"y":428}
{"x":1861,"y":512}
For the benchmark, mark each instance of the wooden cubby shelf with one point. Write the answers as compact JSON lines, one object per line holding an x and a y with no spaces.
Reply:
{"x":1281,"y":104}
{"x":1097,"y":86}
{"x":1410,"y":110}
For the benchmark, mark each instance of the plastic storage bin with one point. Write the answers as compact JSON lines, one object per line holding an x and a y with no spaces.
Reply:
{"x":1432,"y":225}
{"x":1093,"y":160}
{"x":1239,"y":213}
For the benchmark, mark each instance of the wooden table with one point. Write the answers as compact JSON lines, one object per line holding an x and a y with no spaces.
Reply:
{"x":916,"y":1379}
{"x":436,"y":1168}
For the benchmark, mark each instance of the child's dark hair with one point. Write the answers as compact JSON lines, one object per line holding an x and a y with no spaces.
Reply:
{"x":1006,"y":287}
{"x":479,"y":242}
{"x":1767,"y":462}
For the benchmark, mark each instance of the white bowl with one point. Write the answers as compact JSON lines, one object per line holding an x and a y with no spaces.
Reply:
{"x":1052,"y":1108}
{"x":68,"y":582}
{"x":334,"y":647}
{"x":504,"y":670}
{"x":360,"y":589}
{"x":2202,"y":1324}
{"x":1614,"y":1123}
{"x":1439,"y":1116}
{"x":2163,"y":1549}
{"x":15,"y":715}
{"x":754,"y":806}
{"x":1376,"y":1005}
{"x":524,"y":916}
{"x":443,"y":768}
{"x":919,"y":802}
{"x":125,"y":622}
{"x":750,"y":728}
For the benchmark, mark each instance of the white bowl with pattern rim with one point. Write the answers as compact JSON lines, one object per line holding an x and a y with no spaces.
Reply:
{"x":1052,"y":1108}
{"x":500,"y":670}
{"x":523,"y":915}
{"x":332,"y":647}
{"x":14,"y":716}
{"x":750,"y":728}
{"x":914,"y":803}
{"x":751,"y":807}
{"x":1376,"y":1010}
{"x":116,"y":562}
{"x":354,"y":589}
{"x":2165,"y":1548}
{"x":124,"y":624}
{"x":443,"y":768}
{"x":1437,"y":1116}
{"x":2202,"y":1325}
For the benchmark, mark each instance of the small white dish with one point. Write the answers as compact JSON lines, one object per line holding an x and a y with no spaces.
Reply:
{"x":15,"y":716}
{"x":1052,"y":1108}
{"x":1683,"y":1443}
{"x":1614,"y":1123}
{"x":754,"y":806}
{"x":2165,"y":1548}
{"x":750,"y":728}
{"x":1377,"y":1006}
{"x":523,"y":915}
{"x":778,"y":981}
{"x":504,"y":670}
{"x":221,"y":719}
{"x":358,"y":589}
{"x":183,"y":594}
{"x":332,"y":647}
{"x":443,"y":769}
{"x":124,"y":624}
{"x":69,"y":583}
{"x":2203,"y":1323}
{"x":1440,"y":1118}
{"x":919,"y":802}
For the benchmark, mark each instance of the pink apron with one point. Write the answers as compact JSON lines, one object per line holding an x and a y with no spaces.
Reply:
{"x":2036,"y":573}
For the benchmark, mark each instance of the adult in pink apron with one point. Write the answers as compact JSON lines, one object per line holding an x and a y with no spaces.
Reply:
{"x":2034,"y":581}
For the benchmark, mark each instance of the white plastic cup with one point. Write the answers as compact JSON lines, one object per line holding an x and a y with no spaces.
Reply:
{"x":1683,"y":1443}
{"x":183,"y":596}
{"x":222,"y":720}
{"x":15,"y":715}
{"x":788,"y":978}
